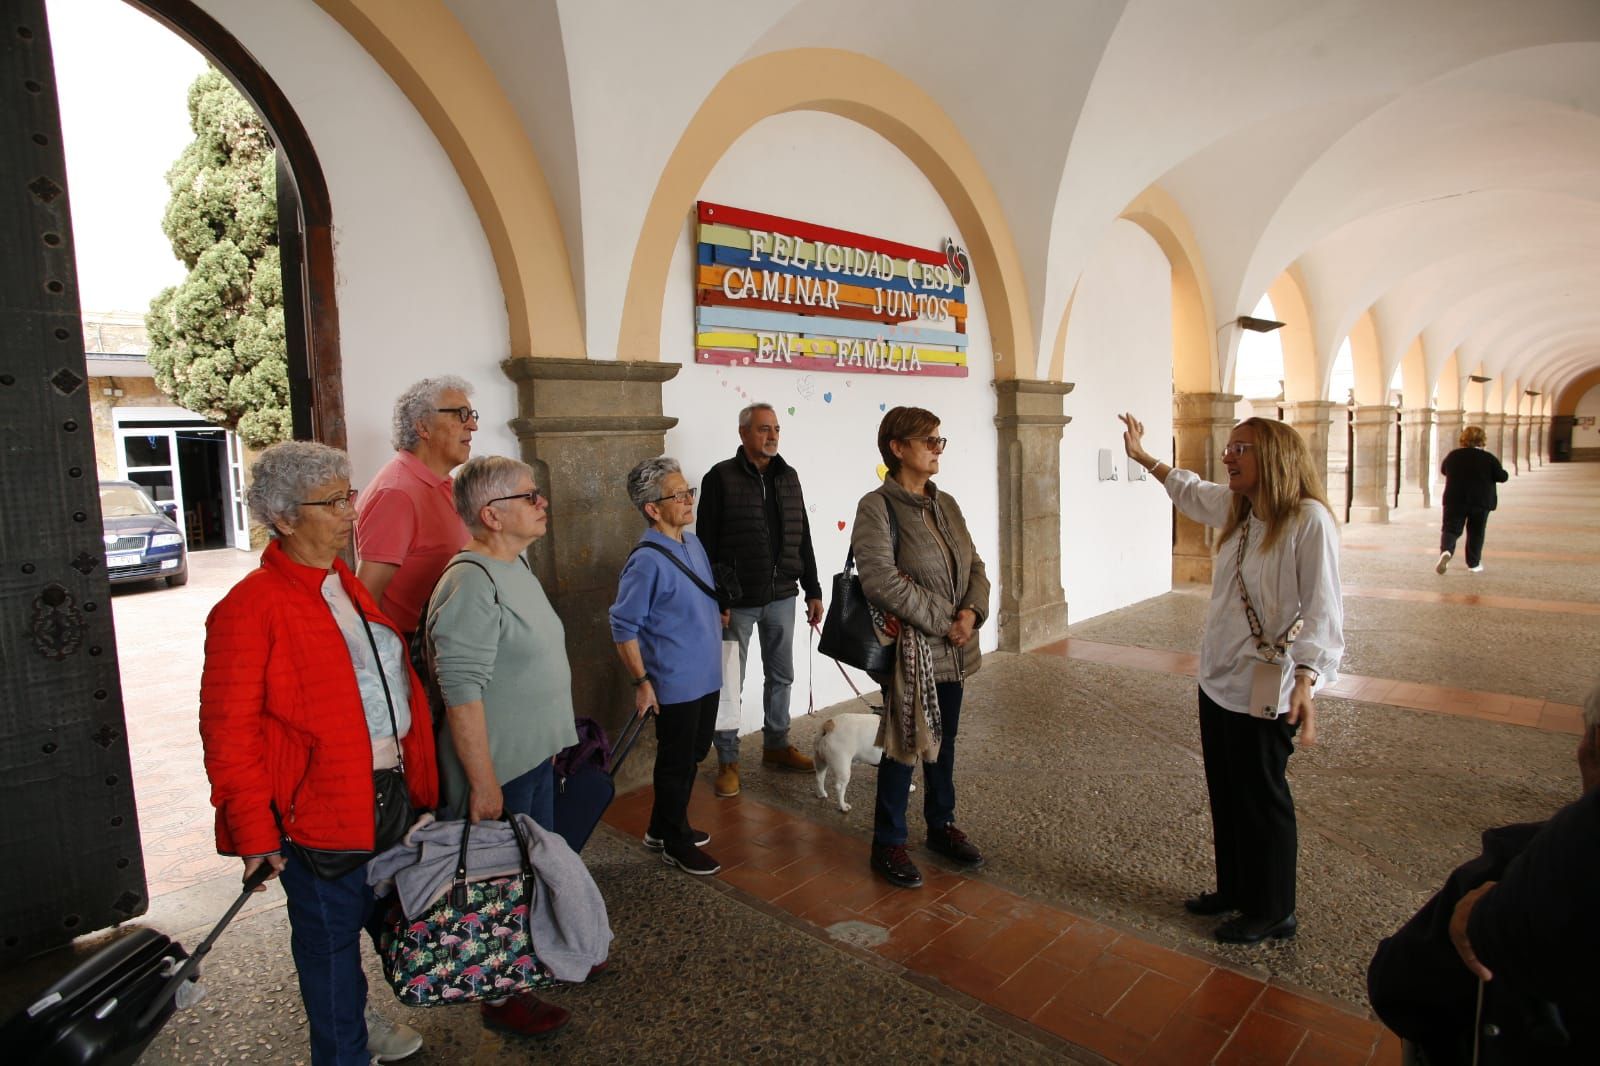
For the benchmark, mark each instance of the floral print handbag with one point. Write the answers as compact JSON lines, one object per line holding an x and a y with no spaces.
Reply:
{"x":472,"y":944}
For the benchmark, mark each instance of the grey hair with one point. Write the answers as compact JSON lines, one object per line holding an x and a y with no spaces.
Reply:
{"x":284,"y":473}
{"x":644,"y":481}
{"x":749,"y":413}
{"x":485,"y":478}
{"x":418,"y":404}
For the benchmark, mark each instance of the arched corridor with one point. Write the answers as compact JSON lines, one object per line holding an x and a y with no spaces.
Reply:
{"x":1081,"y":778}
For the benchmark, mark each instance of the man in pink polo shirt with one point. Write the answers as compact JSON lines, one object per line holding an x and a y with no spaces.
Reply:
{"x":407,"y":528}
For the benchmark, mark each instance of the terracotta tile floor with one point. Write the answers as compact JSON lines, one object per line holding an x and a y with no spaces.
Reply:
{"x":1089,"y":984}
{"x":1435,"y":699}
{"x":1467,"y":599}
{"x":1545,"y":557}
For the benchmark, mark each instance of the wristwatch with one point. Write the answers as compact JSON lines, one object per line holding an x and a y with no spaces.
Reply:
{"x":641,"y":679}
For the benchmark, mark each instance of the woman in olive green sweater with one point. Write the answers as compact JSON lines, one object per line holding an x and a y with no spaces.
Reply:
{"x":499,"y":654}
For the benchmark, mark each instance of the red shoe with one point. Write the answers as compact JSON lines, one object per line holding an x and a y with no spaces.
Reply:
{"x":525,"y":1015}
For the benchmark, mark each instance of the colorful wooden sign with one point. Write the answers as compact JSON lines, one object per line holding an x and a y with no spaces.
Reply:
{"x":776,"y":292}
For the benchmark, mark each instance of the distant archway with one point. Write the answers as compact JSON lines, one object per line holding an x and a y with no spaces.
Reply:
{"x":310,"y":302}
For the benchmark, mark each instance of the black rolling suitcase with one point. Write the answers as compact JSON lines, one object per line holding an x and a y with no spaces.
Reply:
{"x":583,"y":795}
{"x":109,"y":1008}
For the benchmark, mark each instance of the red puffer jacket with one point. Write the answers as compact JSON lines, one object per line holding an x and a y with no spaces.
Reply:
{"x":281,"y":716}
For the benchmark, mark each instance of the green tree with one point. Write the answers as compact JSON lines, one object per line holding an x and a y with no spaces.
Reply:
{"x":217,"y":339}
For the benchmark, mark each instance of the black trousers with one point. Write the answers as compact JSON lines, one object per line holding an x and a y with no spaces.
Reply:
{"x":1252,"y":812}
{"x":1476,"y":519}
{"x":683,"y":737}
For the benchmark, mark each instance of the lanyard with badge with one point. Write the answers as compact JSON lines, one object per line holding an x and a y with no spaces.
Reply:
{"x":1271,"y":660}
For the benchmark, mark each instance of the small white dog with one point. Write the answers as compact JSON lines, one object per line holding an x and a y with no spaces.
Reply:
{"x":846,"y":738}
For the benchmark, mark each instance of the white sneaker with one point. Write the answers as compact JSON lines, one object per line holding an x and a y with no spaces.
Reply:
{"x":390,"y":1041}
{"x":1475,"y":569}
{"x":1444,"y":563}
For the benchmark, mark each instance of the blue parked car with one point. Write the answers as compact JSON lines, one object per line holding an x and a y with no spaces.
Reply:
{"x":142,"y":543}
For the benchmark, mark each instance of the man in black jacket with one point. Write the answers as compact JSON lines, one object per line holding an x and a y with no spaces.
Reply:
{"x":752,"y":517}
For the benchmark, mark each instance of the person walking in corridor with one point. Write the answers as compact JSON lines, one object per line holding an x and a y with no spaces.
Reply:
{"x":1273,"y":637}
{"x":752,"y":517}
{"x":1471,"y":473}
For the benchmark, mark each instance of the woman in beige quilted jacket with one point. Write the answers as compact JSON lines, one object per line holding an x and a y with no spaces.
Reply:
{"x":921,"y":572}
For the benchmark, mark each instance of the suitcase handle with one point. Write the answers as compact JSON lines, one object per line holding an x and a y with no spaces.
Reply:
{"x":630,"y":733}
{"x":257,"y":878}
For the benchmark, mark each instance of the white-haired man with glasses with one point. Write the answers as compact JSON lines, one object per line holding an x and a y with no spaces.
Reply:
{"x":407,"y":527}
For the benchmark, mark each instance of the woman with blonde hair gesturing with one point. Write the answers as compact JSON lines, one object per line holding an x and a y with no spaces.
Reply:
{"x":1273,"y":637}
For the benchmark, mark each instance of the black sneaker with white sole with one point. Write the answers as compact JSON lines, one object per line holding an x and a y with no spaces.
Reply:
{"x":655,"y":843}
{"x":689,"y":860}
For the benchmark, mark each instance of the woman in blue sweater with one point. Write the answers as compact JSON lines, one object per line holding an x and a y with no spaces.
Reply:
{"x":668,"y":630}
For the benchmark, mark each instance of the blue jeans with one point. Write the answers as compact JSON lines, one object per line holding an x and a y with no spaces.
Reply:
{"x":774,"y":623}
{"x":938,"y":779}
{"x":533,"y":794}
{"x":325,"y":922}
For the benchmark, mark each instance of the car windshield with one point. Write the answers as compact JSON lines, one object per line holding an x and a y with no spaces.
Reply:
{"x":120,"y":501}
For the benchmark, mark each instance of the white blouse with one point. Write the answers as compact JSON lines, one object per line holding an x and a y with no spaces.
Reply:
{"x":1297,"y":576}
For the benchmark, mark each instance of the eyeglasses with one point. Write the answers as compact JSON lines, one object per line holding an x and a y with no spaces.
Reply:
{"x":934,"y":444}
{"x":535,"y":497}
{"x":340,"y":505}
{"x":466,"y":414}
{"x":686,"y":496}
{"x":1235,"y":449}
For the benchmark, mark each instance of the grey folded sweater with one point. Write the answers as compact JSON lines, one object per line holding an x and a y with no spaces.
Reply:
{"x":567,"y":917}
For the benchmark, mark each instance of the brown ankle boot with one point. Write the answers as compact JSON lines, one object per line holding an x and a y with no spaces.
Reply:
{"x":727,"y":783}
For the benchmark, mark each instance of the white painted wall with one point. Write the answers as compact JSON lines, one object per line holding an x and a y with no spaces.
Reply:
{"x":1588,"y":407}
{"x":417,"y":288}
{"x":830,"y":421}
{"x":1116,"y":536}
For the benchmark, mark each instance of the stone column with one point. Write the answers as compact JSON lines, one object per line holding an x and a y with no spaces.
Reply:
{"x":583,"y":424}
{"x":1494,"y":427}
{"x":1313,"y":420}
{"x":1448,"y":435}
{"x":1033,"y":605}
{"x":1370,"y":490}
{"x":1201,"y":422}
{"x":1540,"y":439}
{"x":1513,"y":444}
{"x":1417,"y":457}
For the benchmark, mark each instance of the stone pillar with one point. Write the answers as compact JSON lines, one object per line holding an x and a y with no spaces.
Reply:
{"x":1513,"y":444}
{"x":1417,"y":457}
{"x":1201,"y":422}
{"x":1449,"y":434}
{"x":583,"y":424}
{"x":1370,"y":492}
{"x":1033,"y":606}
{"x":1494,"y":427}
{"x":1539,"y":440}
{"x":1313,"y":420}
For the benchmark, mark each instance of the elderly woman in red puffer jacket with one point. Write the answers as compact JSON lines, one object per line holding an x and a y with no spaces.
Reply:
{"x":308,"y":707}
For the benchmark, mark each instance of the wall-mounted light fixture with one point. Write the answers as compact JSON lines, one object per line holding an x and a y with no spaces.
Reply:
{"x":1531,"y":392}
{"x":1258,"y":325}
{"x":1479,"y":378}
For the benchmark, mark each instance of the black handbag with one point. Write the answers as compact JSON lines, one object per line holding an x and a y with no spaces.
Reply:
{"x":392,"y":815}
{"x":848,"y":634}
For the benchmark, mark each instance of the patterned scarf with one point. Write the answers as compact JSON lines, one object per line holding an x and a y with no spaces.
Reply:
{"x":912,"y":727}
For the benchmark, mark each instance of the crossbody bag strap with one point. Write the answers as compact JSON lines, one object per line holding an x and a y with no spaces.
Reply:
{"x":388,"y":697}
{"x":1273,"y":651}
{"x":701,"y":585}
